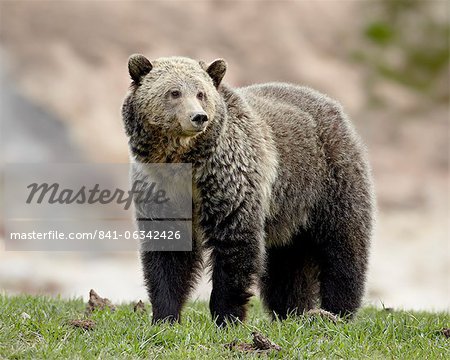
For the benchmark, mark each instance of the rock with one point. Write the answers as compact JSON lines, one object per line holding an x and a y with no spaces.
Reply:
{"x":25,"y":316}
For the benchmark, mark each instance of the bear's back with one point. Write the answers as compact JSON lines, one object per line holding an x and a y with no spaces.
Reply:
{"x":305,"y":121}
{"x":288,"y":100}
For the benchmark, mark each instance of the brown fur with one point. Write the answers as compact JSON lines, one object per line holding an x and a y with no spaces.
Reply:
{"x":282,"y":189}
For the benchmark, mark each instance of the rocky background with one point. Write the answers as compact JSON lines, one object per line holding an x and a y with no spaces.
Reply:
{"x":63,"y":76}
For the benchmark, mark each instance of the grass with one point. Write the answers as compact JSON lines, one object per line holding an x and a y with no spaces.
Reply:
{"x":123,"y":333}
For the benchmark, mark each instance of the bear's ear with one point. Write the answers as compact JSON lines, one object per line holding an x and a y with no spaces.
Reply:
{"x":217,"y":71}
{"x":138,"y":66}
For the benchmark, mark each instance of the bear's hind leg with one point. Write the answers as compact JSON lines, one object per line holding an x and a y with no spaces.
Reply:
{"x":342,"y":278}
{"x":289,"y":284}
{"x":343,"y":256}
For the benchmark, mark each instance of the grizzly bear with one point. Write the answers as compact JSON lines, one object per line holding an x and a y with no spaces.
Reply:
{"x":282,"y":191}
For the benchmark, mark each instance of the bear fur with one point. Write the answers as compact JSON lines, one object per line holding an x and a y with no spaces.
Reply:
{"x":282,"y":191}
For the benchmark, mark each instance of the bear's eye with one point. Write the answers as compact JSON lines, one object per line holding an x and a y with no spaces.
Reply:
{"x":200,"y":95}
{"x":175,"y":94}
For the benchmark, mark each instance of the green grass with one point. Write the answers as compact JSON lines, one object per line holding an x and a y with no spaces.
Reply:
{"x":125,"y":334}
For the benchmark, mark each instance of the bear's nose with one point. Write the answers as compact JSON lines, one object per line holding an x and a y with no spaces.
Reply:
{"x":199,"y":119}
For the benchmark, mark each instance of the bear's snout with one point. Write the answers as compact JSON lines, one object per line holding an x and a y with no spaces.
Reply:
{"x":199,"y":120}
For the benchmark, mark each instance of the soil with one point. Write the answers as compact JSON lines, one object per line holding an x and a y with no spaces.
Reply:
{"x":96,"y":302}
{"x":85,"y":324}
{"x":324,"y":314}
{"x":139,"y":307}
{"x":260,"y":344}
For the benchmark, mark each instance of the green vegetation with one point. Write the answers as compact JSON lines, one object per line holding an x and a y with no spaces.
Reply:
{"x":46,"y":333}
{"x":408,"y":43}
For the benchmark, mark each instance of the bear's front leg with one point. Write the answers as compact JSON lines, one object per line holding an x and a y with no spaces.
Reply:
{"x":169,"y":277}
{"x":236,"y":259}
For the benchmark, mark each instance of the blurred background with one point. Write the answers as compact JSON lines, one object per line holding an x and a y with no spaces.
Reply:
{"x":63,"y":76}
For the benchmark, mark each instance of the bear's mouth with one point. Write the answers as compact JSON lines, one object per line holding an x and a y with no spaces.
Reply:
{"x":192,"y":132}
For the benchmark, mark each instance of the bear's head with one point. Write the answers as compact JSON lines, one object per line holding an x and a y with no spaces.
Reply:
{"x":177,"y":96}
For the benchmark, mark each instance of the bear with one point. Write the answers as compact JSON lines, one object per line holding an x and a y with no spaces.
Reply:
{"x":283,"y":199}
